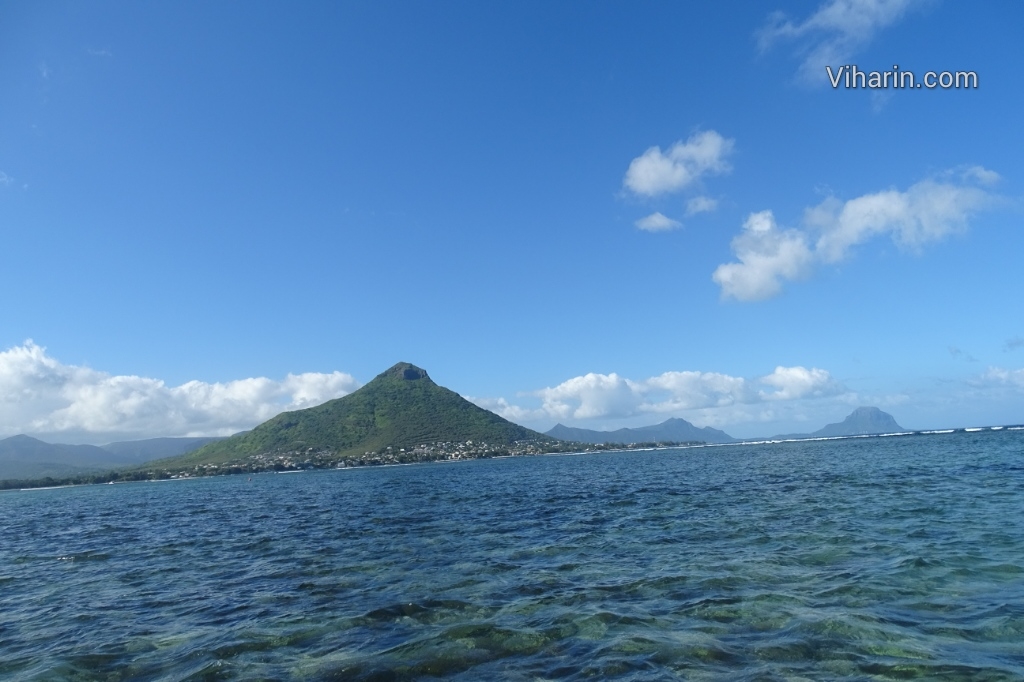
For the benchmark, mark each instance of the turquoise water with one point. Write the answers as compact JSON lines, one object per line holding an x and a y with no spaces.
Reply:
{"x":868,"y":558}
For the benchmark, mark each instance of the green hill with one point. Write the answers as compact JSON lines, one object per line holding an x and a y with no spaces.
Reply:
{"x":401,"y":408}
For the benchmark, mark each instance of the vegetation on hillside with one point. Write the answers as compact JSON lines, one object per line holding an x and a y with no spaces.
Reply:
{"x":401,"y":408}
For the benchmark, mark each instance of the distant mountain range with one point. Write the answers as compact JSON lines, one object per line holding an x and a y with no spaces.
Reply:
{"x":24,"y":457}
{"x":862,"y":421}
{"x":156,"y":448}
{"x":672,"y":430}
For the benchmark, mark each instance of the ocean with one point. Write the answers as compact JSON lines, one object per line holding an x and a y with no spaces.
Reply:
{"x":876,"y":558}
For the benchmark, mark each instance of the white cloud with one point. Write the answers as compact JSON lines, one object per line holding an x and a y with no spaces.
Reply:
{"x":793,"y":383}
{"x":833,"y":34}
{"x":767,"y":255}
{"x":40,"y":395}
{"x":1002,"y":377}
{"x":674,"y":391}
{"x":504,"y":408}
{"x":656,"y":222}
{"x":591,"y":395}
{"x":700,"y":205}
{"x":981,"y":175}
{"x":927,"y":212}
{"x":5,"y":179}
{"x":611,"y":397}
{"x":654,"y":172}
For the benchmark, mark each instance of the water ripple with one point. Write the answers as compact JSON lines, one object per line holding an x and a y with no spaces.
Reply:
{"x":875,"y":558}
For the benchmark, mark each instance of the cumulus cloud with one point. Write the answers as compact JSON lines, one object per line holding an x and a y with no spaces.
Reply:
{"x":591,"y":395}
{"x":40,"y":395}
{"x":792,"y":383}
{"x":700,"y":205}
{"x":926,"y":212}
{"x":656,"y":222}
{"x":834,"y":33}
{"x":674,"y":391}
{"x":655,"y":172}
{"x":611,"y":396}
{"x":767,"y":255}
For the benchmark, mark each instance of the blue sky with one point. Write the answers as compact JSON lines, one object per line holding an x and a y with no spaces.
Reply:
{"x":600,"y":214}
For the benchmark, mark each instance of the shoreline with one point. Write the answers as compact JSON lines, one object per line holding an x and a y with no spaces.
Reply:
{"x":574,"y":453}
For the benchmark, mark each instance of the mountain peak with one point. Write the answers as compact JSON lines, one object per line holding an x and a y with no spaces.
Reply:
{"x":862,"y":421}
{"x":22,"y":438}
{"x":405,"y":371}
{"x":401,"y":408}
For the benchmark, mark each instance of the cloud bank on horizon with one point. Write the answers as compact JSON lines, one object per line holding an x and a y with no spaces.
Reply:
{"x":792,"y":394}
{"x":46,"y":397}
{"x":613,"y":397}
{"x":69,"y":403}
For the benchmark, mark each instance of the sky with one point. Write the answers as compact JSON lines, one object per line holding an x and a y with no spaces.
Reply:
{"x":602,"y":214}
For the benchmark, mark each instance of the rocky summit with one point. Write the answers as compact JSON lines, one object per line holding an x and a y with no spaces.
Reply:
{"x":864,"y":421}
{"x":861,"y":422}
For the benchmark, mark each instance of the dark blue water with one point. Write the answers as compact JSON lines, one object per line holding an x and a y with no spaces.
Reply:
{"x":875,"y":558}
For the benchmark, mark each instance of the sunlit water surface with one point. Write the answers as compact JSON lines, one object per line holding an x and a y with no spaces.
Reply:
{"x":874,"y":558}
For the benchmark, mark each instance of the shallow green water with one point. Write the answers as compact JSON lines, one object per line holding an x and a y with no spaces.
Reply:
{"x":874,"y":558}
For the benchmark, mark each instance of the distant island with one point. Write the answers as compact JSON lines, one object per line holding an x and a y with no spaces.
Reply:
{"x":864,"y":421}
{"x":401,"y":416}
